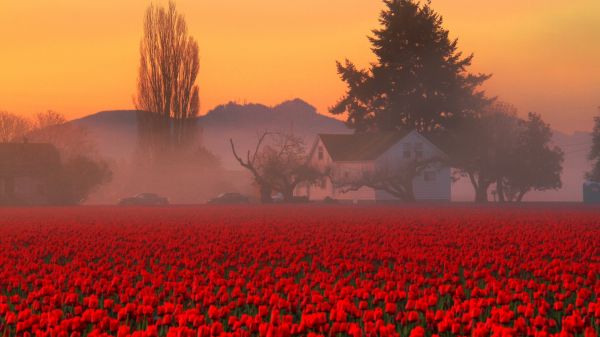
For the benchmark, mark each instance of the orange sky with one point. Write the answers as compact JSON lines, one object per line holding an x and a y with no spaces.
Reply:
{"x":79,"y":57}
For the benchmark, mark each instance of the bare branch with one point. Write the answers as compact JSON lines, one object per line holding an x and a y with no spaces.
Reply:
{"x":394,"y":179}
{"x":261,"y":139}
{"x":278,"y":163}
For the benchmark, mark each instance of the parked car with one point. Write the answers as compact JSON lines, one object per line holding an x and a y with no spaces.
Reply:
{"x":277,"y":198}
{"x":144,"y":199}
{"x":300,"y":199}
{"x":229,"y":198}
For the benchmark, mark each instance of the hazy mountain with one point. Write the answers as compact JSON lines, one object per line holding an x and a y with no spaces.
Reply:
{"x":244,"y":123}
{"x":115,"y":132}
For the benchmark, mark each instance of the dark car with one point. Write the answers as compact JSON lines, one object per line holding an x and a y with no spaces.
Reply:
{"x":230,"y":198}
{"x":144,"y":199}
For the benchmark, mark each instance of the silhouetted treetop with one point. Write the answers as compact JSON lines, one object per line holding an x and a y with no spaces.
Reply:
{"x":167,"y":86}
{"x":420,"y":79}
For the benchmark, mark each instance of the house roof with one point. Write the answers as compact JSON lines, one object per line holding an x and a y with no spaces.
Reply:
{"x":17,"y":159}
{"x":360,"y":146}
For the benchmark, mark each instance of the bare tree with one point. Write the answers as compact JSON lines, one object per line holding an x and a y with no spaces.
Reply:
{"x":251,"y":165}
{"x":13,"y":127}
{"x":79,"y":172}
{"x":393,"y":178}
{"x":284,"y":164}
{"x":49,"y":119}
{"x":167,"y":94}
{"x":70,"y":139}
{"x":278,"y":163}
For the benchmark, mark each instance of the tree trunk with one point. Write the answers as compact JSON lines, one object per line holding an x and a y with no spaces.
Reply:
{"x":288,"y":195}
{"x":500,"y":191}
{"x":481,"y":193}
{"x":521,"y":195}
{"x":402,"y":191}
{"x":265,"y":194}
{"x":409,"y":193}
{"x":480,"y":188}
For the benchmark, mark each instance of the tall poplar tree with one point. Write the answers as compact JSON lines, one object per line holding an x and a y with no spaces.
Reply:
{"x":167,"y":95}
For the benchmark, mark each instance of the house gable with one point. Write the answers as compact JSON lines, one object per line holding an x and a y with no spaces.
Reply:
{"x":349,"y":155}
{"x":413,"y":143}
{"x":319,"y":155}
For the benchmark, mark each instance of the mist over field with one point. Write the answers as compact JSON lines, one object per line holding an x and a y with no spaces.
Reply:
{"x":418,"y":112}
{"x":401,"y":168}
{"x":114,"y":133}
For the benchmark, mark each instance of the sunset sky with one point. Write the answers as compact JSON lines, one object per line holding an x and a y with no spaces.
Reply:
{"x":79,"y":57}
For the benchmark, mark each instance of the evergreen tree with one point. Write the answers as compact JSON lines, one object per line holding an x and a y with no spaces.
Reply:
{"x":420,"y":79}
{"x":594,"y":156}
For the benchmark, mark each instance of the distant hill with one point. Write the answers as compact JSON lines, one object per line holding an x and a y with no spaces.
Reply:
{"x":243,"y":123}
{"x":115,"y":132}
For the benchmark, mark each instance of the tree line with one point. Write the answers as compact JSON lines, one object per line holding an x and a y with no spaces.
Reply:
{"x":420,"y":80}
{"x":81,"y":170}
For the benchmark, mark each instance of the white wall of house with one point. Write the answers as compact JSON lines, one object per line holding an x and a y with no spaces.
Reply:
{"x":320,"y":159}
{"x":348,"y":170}
{"x":437,"y":186}
{"x":433,"y":184}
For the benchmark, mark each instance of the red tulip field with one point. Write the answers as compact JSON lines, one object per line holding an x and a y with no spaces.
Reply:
{"x":284,"y":271}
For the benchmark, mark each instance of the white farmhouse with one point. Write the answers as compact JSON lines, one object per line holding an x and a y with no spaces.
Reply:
{"x":351,"y":155}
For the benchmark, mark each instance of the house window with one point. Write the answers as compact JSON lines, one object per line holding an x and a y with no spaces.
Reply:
{"x":429,"y":176}
{"x":419,"y":150}
{"x":320,"y":153}
{"x":323,"y":184}
{"x":407,"y":151}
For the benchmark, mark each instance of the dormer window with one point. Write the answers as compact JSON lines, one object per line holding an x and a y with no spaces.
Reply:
{"x":429,"y":176}
{"x":419,"y":150}
{"x":407,"y":151}
{"x":320,"y":153}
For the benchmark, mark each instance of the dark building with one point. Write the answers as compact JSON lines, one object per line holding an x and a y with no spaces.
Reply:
{"x":27,"y":171}
{"x":591,"y":192}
